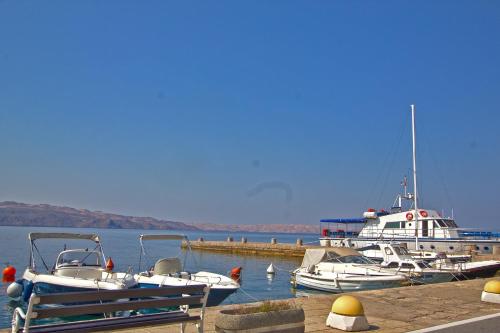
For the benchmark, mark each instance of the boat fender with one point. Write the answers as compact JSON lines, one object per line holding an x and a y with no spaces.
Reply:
{"x":28,"y":289}
{"x":409,"y":216}
{"x":236,"y":273}
{"x":110,"y":264}
{"x":15,"y":289}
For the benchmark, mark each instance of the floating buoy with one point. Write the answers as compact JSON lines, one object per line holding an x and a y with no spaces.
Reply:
{"x":270,"y":269}
{"x":15,"y":289}
{"x":409,"y":216}
{"x":236,"y":273}
{"x":9,"y":274}
{"x":110,"y":264}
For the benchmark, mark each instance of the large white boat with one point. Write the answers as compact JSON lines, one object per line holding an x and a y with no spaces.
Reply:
{"x":171,"y":272}
{"x":342,"y":270}
{"x":420,"y":229}
{"x":74,"y":270}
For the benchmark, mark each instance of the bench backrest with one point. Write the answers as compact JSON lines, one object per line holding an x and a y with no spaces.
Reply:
{"x":106,"y":301}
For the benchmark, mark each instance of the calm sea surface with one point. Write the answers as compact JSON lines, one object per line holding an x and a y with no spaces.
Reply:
{"x":123,"y":247}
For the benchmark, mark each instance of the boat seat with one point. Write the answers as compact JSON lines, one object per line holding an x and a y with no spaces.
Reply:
{"x":166,"y":266}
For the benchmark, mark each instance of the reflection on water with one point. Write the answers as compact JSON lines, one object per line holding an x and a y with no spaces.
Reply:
{"x":123,"y":247}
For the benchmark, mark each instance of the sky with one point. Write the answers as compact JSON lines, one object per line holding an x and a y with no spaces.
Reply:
{"x":250,"y":112}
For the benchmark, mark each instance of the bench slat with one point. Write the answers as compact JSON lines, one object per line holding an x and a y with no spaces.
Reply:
{"x":110,"y":295}
{"x":81,"y":309}
{"x":116,"y":323}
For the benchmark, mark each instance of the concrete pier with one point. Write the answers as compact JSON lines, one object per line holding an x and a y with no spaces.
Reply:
{"x":273,"y":248}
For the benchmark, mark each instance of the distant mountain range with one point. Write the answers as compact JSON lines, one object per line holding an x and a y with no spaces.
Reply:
{"x":43,"y":215}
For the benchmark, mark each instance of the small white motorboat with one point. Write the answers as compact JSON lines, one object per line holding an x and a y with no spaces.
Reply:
{"x":74,"y":270}
{"x":397,"y":259}
{"x":342,"y":270}
{"x":171,"y":272}
{"x":468,"y":270}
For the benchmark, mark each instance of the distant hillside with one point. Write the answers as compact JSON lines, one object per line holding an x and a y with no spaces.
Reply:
{"x":19,"y":214}
{"x":43,"y":215}
{"x":281,"y":228}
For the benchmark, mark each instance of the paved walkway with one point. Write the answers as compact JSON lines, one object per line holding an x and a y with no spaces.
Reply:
{"x":389,"y":310}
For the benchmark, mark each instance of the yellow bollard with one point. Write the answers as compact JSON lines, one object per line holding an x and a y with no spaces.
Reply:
{"x":491,"y":292}
{"x":348,"y":315}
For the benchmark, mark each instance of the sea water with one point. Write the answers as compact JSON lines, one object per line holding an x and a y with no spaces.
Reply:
{"x":122,"y":245}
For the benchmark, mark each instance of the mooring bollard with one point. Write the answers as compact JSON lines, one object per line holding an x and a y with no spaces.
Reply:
{"x":299,"y":242}
{"x":230,"y":239}
{"x":347,"y":315}
{"x":243,"y":240}
{"x":274,"y":241}
{"x":200,"y":239}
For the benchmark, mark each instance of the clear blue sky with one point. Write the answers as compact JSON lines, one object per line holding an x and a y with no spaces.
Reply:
{"x":250,"y":112}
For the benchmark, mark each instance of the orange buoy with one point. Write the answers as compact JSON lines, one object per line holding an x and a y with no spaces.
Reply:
{"x":236,"y":273}
{"x":110,"y":264}
{"x":9,"y":274}
{"x":423,"y":213}
{"x":409,"y":216}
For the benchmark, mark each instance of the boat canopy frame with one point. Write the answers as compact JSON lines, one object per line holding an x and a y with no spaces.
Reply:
{"x":344,"y":222}
{"x":144,"y":237}
{"x":33,"y":236}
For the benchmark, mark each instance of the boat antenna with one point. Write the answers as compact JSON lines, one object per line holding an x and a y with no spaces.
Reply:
{"x":415,"y":196}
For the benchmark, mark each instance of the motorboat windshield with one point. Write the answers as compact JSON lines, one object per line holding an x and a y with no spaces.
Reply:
{"x":78,"y":258}
{"x":352,"y":260}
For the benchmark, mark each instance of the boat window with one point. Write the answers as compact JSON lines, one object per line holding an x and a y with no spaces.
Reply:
{"x":354,"y":260}
{"x":421,"y":247}
{"x":433,"y":247}
{"x":448,"y":223}
{"x":451,"y":247}
{"x":393,"y":264}
{"x":441,"y":223}
{"x":400,"y":250}
{"x":388,"y":251}
{"x":79,"y":258}
{"x":486,"y":248}
{"x":407,"y":265}
{"x":393,"y":225}
{"x":422,"y":265}
{"x":452,"y":224}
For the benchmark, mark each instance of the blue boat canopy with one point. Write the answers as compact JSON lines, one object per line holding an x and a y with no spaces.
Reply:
{"x":358,"y":220}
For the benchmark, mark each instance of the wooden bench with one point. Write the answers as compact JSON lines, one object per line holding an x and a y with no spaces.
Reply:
{"x":107,"y":302}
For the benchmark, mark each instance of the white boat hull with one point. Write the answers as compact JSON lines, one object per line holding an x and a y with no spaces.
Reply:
{"x":346,"y":284}
{"x":220,"y":286}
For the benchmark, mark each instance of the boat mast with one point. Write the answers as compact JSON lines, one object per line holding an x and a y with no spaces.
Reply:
{"x":415,"y":196}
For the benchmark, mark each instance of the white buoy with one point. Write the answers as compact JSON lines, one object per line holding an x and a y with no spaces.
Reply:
{"x":270,"y":269}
